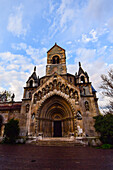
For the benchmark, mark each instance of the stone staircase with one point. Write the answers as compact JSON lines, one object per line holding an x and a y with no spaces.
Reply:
{"x":58,"y":142}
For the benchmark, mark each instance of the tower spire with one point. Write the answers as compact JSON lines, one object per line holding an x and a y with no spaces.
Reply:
{"x":79,"y":64}
{"x":35,"y":69}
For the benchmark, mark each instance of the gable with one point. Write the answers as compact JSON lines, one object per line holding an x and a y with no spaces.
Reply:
{"x":56,"y":49}
{"x":57,"y":82}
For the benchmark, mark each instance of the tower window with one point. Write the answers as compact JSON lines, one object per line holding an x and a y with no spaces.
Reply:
{"x":31,"y":83}
{"x":55,"y":60}
{"x":82,"y":79}
{"x":30,"y":95}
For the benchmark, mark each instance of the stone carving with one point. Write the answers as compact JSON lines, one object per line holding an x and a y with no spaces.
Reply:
{"x":39,"y":95}
{"x":47,"y":88}
{"x":79,"y":116}
{"x":86,"y":105}
{"x":33,"y":116}
{"x":27,"y":108}
{"x":43,"y":92}
{"x":59,"y":85}
{"x":55,"y":84}
{"x":79,"y":131}
{"x":71,"y":94}
{"x":12,"y":97}
{"x":51,"y":86}
{"x":67,"y":90}
{"x":63,"y":88}
{"x":76,"y":96}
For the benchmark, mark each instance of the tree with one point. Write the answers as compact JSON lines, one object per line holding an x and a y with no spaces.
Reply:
{"x":11,"y":131}
{"x":104,"y":125}
{"x":107,"y":86}
{"x":5,"y":96}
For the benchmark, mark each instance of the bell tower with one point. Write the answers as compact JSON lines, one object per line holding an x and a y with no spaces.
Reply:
{"x":56,"y":61}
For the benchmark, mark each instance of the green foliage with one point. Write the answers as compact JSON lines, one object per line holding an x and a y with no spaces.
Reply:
{"x":11,"y":131}
{"x":104,"y":125}
{"x":107,"y":146}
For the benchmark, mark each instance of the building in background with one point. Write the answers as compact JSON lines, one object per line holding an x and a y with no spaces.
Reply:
{"x":57,"y":105}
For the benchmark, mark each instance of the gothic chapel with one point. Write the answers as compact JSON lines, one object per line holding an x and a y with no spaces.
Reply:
{"x":57,"y":105}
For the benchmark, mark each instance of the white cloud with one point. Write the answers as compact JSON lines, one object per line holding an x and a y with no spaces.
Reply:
{"x":15,"y":69}
{"x":99,"y":10}
{"x":85,"y":55}
{"x":92,"y":36}
{"x":37,"y":54}
{"x":19,"y":46}
{"x":15,"y":23}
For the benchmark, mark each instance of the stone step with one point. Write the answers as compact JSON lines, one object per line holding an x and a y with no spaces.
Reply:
{"x":57,"y":143}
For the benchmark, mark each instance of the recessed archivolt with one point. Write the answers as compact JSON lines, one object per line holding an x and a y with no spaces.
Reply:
{"x":57,"y":102}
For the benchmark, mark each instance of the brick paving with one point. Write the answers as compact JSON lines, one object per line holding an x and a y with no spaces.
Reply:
{"x":31,"y":157}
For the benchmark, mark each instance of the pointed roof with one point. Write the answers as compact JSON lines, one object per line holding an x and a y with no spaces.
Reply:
{"x":80,"y":71}
{"x":93,"y":89}
{"x":55,"y":46}
{"x":33,"y":76}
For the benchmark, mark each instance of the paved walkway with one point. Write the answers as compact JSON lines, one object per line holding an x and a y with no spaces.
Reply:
{"x":31,"y":157}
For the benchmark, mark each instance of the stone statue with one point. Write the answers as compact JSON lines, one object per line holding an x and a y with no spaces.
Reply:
{"x":12,"y":97}
{"x":67,"y":91}
{"x":76,"y":97}
{"x":71,"y":94}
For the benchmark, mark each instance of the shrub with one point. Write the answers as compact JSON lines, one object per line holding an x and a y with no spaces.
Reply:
{"x":104,"y":125}
{"x":11,"y":131}
{"x":107,"y":146}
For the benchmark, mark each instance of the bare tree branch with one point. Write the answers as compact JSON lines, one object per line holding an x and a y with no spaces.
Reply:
{"x":107,"y":87}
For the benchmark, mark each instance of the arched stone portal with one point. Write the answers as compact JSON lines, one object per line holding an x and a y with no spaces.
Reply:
{"x":55,"y":118}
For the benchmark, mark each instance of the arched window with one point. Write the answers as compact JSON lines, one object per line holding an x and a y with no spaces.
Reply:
{"x":86,"y":105}
{"x":35,"y":98}
{"x":27,"y":108}
{"x":84,"y":91}
{"x":82,"y":79}
{"x":31,"y":83}
{"x":55,"y":60}
{"x":70,"y":80}
{"x":30,"y":95}
{"x":1,"y":122}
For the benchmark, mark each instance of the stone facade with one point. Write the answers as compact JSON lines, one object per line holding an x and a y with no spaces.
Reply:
{"x":56,"y":105}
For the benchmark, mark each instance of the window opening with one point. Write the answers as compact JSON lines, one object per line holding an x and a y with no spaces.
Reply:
{"x":55,"y":60}
{"x":82,"y":79}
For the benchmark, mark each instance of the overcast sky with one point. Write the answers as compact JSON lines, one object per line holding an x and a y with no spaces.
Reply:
{"x":29,"y":28}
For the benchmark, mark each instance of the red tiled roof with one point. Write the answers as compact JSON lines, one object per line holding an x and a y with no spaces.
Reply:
{"x":10,"y":107}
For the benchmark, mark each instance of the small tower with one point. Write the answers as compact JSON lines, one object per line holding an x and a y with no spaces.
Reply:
{"x":32,"y":83}
{"x":81,"y":77}
{"x":56,"y":61}
{"x":33,"y":80}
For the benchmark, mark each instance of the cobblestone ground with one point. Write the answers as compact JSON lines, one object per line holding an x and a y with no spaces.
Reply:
{"x":31,"y":157}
